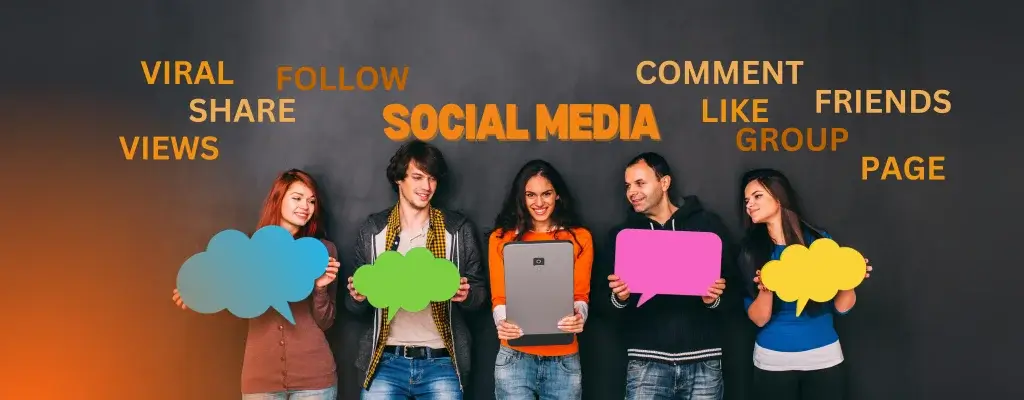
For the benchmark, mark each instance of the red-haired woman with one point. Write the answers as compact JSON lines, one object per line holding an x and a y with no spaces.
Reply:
{"x":285,"y":361}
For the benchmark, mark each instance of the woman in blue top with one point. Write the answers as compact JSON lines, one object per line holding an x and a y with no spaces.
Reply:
{"x":795,"y":358}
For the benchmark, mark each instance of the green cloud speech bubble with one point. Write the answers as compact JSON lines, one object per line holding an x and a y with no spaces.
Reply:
{"x":410,"y":282}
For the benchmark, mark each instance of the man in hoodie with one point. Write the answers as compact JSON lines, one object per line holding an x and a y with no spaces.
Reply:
{"x":674,"y":343}
{"x":423,"y":354}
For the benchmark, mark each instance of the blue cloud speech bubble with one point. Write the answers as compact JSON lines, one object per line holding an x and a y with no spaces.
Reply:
{"x":249,"y":276}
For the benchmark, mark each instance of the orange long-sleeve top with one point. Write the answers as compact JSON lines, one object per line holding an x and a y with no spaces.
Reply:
{"x":583,"y":246}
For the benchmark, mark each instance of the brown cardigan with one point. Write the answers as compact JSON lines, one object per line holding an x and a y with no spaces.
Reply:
{"x":281,"y":356}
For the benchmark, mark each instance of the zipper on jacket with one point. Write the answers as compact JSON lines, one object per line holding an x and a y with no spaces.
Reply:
{"x":377,"y":313}
{"x":673,"y":224}
{"x":455,"y":361}
{"x":451,"y":327}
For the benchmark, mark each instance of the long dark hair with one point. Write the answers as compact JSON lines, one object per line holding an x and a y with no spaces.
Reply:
{"x":757,"y":244}
{"x":515,"y":217}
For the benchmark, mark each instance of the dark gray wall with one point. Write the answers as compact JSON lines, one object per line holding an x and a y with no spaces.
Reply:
{"x":929,"y":323}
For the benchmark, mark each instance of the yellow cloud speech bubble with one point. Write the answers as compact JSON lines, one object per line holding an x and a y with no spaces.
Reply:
{"x":817,"y":273}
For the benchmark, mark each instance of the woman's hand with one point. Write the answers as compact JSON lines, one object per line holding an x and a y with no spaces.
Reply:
{"x":760,"y":311}
{"x":508,"y":330}
{"x":177,"y":299}
{"x":757,"y":280}
{"x":846,"y":299}
{"x":572,"y":323}
{"x":330,"y":274}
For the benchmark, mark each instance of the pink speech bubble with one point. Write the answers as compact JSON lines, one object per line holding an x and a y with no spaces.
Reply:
{"x":657,"y":262}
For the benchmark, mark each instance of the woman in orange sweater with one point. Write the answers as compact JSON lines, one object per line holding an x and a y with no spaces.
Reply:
{"x":539,"y":207}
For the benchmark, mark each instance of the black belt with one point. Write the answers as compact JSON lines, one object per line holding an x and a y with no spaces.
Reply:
{"x":417,"y":352}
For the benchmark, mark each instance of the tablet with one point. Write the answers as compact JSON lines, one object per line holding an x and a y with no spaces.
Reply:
{"x":539,"y":290}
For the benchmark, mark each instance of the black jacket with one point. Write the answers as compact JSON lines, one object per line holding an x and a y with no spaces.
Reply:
{"x":465,"y":254}
{"x":677,"y":329}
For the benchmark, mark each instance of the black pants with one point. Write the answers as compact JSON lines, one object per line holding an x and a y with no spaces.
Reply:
{"x":823,"y":384}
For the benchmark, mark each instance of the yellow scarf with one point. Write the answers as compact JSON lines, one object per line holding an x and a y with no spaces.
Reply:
{"x":439,"y":310}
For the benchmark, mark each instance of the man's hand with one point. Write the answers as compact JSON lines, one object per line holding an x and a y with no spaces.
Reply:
{"x":352,"y":291}
{"x":620,"y":288}
{"x":463,"y":292}
{"x":714,"y":291}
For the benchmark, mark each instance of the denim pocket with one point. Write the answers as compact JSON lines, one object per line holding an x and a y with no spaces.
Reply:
{"x":636,"y":365}
{"x":714,"y":364}
{"x":570,"y":364}
{"x":505,"y":357}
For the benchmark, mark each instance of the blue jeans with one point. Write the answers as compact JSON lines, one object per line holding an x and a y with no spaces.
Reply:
{"x":403,"y":378}
{"x":649,"y":380}
{"x":330,"y":393}
{"x":519,"y":375}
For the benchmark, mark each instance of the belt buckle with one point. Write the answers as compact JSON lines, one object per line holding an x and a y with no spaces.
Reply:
{"x":405,"y":353}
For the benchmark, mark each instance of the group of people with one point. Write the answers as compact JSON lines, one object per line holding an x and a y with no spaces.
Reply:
{"x":674,"y":343}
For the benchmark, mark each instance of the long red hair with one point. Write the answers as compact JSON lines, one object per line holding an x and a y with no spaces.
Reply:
{"x":271,"y":214}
